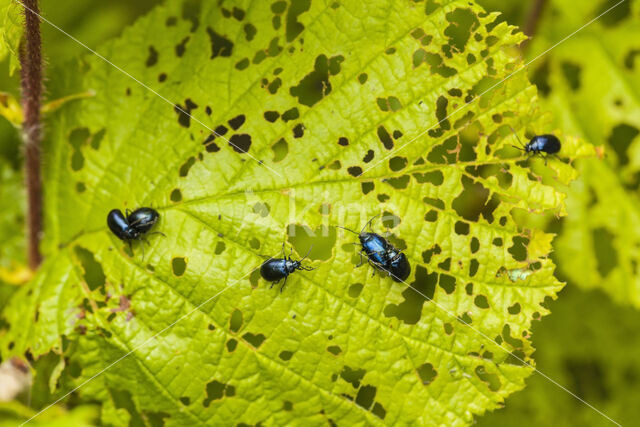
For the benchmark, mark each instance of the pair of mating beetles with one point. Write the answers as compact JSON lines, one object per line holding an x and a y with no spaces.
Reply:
{"x":380,"y":253}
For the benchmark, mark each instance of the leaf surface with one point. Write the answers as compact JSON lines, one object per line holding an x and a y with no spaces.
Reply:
{"x":313,"y":107}
{"x":592,"y":85}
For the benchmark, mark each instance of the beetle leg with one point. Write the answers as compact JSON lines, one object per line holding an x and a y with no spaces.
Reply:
{"x":285,"y":282}
{"x":375,"y":266}
{"x":127,"y":212}
{"x":274,"y":283}
{"x":130,"y":247}
{"x":361,"y":260}
{"x":157,"y":232}
{"x":282,"y":249}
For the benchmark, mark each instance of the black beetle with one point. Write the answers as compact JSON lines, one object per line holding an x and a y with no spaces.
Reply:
{"x":275,"y":269}
{"x":548,"y":144}
{"x":134,"y":226}
{"x":382,"y":254}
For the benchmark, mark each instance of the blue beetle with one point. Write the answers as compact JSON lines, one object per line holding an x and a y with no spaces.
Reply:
{"x":134,"y":226}
{"x":275,"y":269}
{"x":382,"y":254}
{"x":548,"y":144}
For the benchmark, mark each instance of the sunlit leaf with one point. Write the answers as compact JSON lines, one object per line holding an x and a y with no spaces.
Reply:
{"x":601,"y":369}
{"x":314,"y":107}
{"x":592,"y":85}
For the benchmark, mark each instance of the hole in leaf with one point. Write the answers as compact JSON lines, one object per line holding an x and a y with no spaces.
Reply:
{"x":240,"y":142}
{"x":365,"y":396}
{"x":519,"y":248}
{"x":352,"y":376}
{"x":262,"y":209}
{"x":492,"y":380}
{"x":220,"y":46}
{"x":179,"y":266}
{"x":355,"y":290}
{"x":462,"y":23}
{"x":315,"y":85}
{"x":448,"y":283}
{"x":255,"y":340}
{"x":514,"y":309}
{"x":294,"y":27}
{"x":385,"y":138}
{"x":291,"y":114}
{"x":471,"y":200}
{"x":322,"y":238}
{"x":220,"y":247}
{"x":250,"y":31}
{"x":334,"y":349}
{"x":176,"y":195}
{"x":235,"y":322}
{"x":93,"y":272}
{"x":237,"y":122}
{"x":421,"y":290}
{"x":215,"y":391}
{"x":427,"y":373}
{"x":186,"y":166}
{"x":285,"y":355}
{"x":481,"y":301}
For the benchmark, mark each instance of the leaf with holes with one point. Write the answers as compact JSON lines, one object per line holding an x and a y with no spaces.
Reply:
{"x":276,"y":122}
{"x":604,"y":374}
{"x":592,"y":84}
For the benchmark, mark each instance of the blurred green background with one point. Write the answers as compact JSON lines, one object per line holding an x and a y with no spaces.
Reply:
{"x":590,"y":85}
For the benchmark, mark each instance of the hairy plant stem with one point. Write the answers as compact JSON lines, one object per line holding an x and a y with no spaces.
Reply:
{"x":31,"y":82}
{"x":533,"y":19}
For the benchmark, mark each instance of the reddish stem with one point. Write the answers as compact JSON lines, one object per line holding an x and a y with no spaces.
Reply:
{"x":31,"y":81}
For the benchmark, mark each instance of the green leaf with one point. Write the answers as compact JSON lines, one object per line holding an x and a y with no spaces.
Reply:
{"x":605,"y":375}
{"x":11,"y":225}
{"x":11,"y":30}
{"x":592,"y":83}
{"x":327,"y":101}
{"x":12,"y":413}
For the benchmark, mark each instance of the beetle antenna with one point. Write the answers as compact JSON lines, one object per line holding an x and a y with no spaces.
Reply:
{"x":345,"y":228}
{"x":308,"y":252}
{"x":369,"y":223}
{"x":518,"y":138}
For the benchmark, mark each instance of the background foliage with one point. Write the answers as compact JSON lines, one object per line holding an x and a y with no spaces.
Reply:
{"x":590,"y":85}
{"x":123,"y":301}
